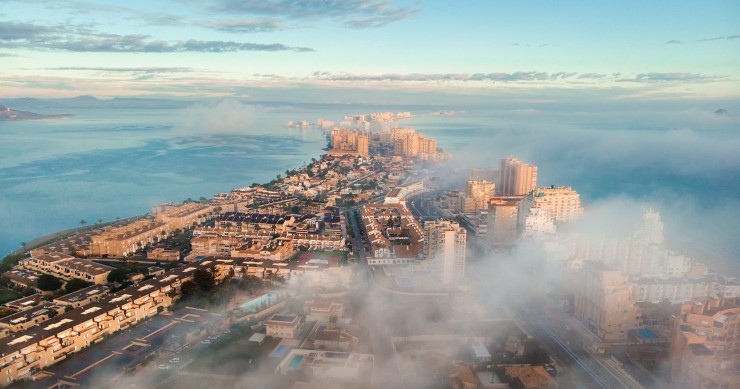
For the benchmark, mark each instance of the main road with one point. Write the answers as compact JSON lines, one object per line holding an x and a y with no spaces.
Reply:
{"x":586,"y":370}
{"x":385,"y":372}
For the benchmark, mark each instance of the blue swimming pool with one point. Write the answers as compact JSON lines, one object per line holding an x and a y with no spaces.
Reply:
{"x":295,"y":362}
{"x":280,"y":351}
{"x":260,"y":302}
{"x":645,"y":333}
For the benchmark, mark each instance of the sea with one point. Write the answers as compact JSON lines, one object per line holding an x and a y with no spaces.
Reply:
{"x":102,"y":164}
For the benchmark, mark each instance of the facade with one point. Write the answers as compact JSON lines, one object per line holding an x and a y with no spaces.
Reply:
{"x":411,"y":144}
{"x":562,"y":203}
{"x":477,"y":195}
{"x":502,"y":221}
{"x":444,"y":243}
{"x":604,"y":302}
{"x":322,"y":308}
{"x":162,"y":254}
{"x":705,"y":350}
{"x":68,"y":267}
{"x":284,"y":325}
{"x":517,"y":178}
{"x":185,"y":216}
{"x":127,"y":239}
{"x":349,"y":142}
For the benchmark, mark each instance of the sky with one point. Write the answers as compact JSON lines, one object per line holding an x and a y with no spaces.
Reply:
{"x":329,"y":49}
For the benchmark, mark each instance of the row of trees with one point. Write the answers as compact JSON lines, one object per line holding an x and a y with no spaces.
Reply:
{"x":50,"y":283}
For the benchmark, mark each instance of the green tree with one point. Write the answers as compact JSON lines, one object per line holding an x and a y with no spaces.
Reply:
{"x":48,"y":283}
{"x":9,"y":261}
{"x":189,"y":288}
{"x":204,"y":280}
{"x":118,"y":275}
{"x":76,"y":284}
{"x":83,"y":222}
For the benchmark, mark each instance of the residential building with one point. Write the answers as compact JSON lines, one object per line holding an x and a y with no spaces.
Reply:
{"x":68,"y":267}
{"x":502,"y":221}
{"x":444,"y":243}
{"x":337,"y":367}
{"x":185,"y":216}
{"x":411,"y":144}
{"x":517,"y":177}
{"x":285,"y":325}
{"x":162,"y":254}
{"x":477,"y":195}
{"x":349,"y":142}
{"x":604,"y":302}
{"x":394,"y":234}
{"x":705,"y":350}
{"x":530,"y":377}
{"x":562,"y":203}
{"x":124,"y":240}
{"x":323,"y":308}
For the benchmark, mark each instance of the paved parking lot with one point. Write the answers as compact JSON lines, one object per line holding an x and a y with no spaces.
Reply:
{"x":103,"y":361}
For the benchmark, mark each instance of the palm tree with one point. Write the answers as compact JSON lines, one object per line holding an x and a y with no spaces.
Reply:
{"x":83,"y":222}
{"x":23,"y":246}
{"x":100,"y":221}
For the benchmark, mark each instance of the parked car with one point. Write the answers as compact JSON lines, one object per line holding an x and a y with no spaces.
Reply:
{"x":174,"y":361}
{"x":163,"y":367}
{"x":205,"y":341}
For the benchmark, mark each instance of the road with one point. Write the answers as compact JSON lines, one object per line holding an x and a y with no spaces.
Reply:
{"x":568,"y":350}
{"x":385,"y":372}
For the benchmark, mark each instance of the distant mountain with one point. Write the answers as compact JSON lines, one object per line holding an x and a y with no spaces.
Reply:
{"x":94,"y":102}
{"x":7,"y":115}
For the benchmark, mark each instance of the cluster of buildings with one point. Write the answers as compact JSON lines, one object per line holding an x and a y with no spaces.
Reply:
{"x":45,"y":332}
{"x":270,"y":236}
{"x":401,"y":142}
{"x":67,"y":267}
{"x":349,"y":142}
{"x":501,"y":206}
{"x":394,"y":235}
{"x":410,"y":144}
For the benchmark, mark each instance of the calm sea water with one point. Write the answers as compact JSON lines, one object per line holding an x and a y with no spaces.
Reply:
{"x":103,"y":164}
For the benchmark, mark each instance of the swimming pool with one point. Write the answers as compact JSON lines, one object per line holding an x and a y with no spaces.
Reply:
{"x":260,"y":302}
{"x":280,"y":351}
{"x":295,"y":362}
{"x":645,"y":333}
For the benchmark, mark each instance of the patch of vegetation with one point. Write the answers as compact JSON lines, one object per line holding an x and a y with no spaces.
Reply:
{"x":8,"y":295}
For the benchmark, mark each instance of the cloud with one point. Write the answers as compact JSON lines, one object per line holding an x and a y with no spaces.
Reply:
{"x":246,"y":25}
{"x":355,"y":13}
{"x":502,"y":77}
{"x":7,"y":55}
{"x":595,"y":76}
{"x":720,"y":38}
{"x":673,"y":42}
{"x":77,"y":39}
{"x":128,"y":70}
{"x":673,"y":77}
